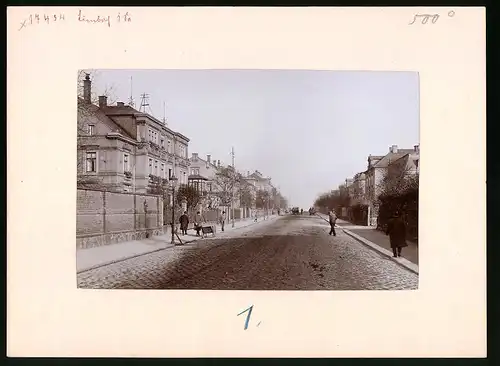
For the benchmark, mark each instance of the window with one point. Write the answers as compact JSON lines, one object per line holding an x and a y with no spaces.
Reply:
{"x":169,"y":146}
{"x":150,"y":135}
{"x":125,"y":189}
{"x":162,"y":170}
{"x":91,"y":130}
{"x":195,"y":171}
{"x":184,"y":180}
{"x":126,"y":166}
{"x":162,"y":142}
{"x":91,"y":162}
{"x":156,"y":167}
{"x":169,"y":174}
{"x":150,"y":166}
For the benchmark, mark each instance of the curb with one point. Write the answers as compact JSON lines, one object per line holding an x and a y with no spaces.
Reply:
{"x":401,"y":261}
{"x":153,"y":251}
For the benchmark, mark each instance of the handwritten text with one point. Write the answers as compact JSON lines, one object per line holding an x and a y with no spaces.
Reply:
{"x":34,"y":19}
{"x":424,"y":18}
{"x":80,"y":17}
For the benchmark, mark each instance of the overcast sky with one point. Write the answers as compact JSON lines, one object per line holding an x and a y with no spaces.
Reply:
{"x":307,"y":130}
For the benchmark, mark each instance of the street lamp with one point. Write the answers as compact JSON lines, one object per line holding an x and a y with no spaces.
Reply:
{"x":172,"y":182}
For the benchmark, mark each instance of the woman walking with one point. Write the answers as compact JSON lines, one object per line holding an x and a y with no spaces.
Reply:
{"x":396,"y":229}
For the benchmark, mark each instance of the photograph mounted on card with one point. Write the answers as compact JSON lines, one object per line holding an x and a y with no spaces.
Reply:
{"x":229,"y":179}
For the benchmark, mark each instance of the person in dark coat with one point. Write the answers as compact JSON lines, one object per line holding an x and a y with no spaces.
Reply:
{"x":184,"y":221}
{"x":396,"y":229}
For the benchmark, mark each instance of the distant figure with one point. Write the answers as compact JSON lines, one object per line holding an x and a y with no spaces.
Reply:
{"x":256,"y":214}
{"x":222,"y":219}
{"x":278,"y":212}
{"x":184,"y":221}
{"x":198,"y":221}
{"x":301,"y":211}
{"x":332,"y":219}
{"x":396,"y":229}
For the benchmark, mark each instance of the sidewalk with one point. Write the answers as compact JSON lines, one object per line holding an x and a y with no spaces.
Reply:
{"x":379,"y":241}
{"x":87,"y":259}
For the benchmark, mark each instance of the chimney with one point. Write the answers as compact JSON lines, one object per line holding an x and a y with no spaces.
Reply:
{"x":417,"y":149}
{"x":393,"y":149}
{"x":194,"y":156}
{"x":218,"y":163}
{"x":248,"y":173}
{"x":120,"y":104}
{"x":103,"y":101}
{"x":208,"y":159}
{"x":87,"y":89}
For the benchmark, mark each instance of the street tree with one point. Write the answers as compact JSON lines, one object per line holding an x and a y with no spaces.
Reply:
{"x":226,"y":184}
{"x":262,"y":198}
{"x":190,"y":195}
{"x":245,"y":192}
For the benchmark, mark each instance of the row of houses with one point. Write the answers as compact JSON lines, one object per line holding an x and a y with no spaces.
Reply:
{"x":122,"y":150}
{"x":364,"y":188}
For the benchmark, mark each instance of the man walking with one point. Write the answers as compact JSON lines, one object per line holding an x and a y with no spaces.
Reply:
{"x":396,"y":229}
{"x":333,"y":219}
{"x":222,"y":219}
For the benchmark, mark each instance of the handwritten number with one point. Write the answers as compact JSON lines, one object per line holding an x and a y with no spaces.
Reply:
{"x":46,"y":17}
{"x":248,"y":315}
{"x":61,"y":16}
{"x":37,"y":18}
{"x":425,"y":18}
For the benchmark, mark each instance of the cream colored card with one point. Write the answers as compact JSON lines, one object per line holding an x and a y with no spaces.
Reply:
{"x":49,"y":316}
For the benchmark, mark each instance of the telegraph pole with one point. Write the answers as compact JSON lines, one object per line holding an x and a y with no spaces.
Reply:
{"x":232,"y":188}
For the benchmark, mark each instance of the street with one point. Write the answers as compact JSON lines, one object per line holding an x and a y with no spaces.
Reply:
{"x":287,"y":253}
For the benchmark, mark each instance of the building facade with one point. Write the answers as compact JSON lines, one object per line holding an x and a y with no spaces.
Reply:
{"x":123,"y":150}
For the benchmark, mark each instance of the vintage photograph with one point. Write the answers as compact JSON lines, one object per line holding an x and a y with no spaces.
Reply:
{"x":247,"y":179}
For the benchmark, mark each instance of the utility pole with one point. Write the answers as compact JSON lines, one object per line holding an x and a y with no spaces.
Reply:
{"x":232,"y":187}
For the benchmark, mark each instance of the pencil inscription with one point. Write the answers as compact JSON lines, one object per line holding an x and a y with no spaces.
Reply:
{"x":81,"y":17}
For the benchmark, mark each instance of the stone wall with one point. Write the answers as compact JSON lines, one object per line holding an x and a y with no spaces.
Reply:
{"x":107,"y":217}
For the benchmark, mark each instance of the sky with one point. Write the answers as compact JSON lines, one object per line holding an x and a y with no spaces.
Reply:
{"x":307,"y":130}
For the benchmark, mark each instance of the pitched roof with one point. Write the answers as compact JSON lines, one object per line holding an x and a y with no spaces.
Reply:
{"x":98,"y":113}
{"x":390,"y":157}
{"x":116,"y":110}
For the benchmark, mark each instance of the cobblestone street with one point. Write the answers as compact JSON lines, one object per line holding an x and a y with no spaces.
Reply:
{"x":289,"y":253}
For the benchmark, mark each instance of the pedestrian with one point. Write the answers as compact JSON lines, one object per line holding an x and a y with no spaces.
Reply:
{"x":396,"y":229}
{"x":222,"y":219}
{"x":184,"y":221}
{"x":255,"y":220}
{"x":198,"y":221}
{"x":332,"y":219}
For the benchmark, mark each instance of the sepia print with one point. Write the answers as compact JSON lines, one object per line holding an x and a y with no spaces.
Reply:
{"x":247,"y":180}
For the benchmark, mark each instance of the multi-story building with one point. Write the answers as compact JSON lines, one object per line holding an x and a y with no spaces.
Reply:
{"x":378,"y":167}
{"x":122,"y":149}
{"x":202,"y":173}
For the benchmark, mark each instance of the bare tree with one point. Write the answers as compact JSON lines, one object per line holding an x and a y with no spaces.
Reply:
{"x":398,"y":179}
{"x":262,"y":198}
{"x":190,"y":195}
{"x":226,"y":183}
{"x":244,"y":192}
